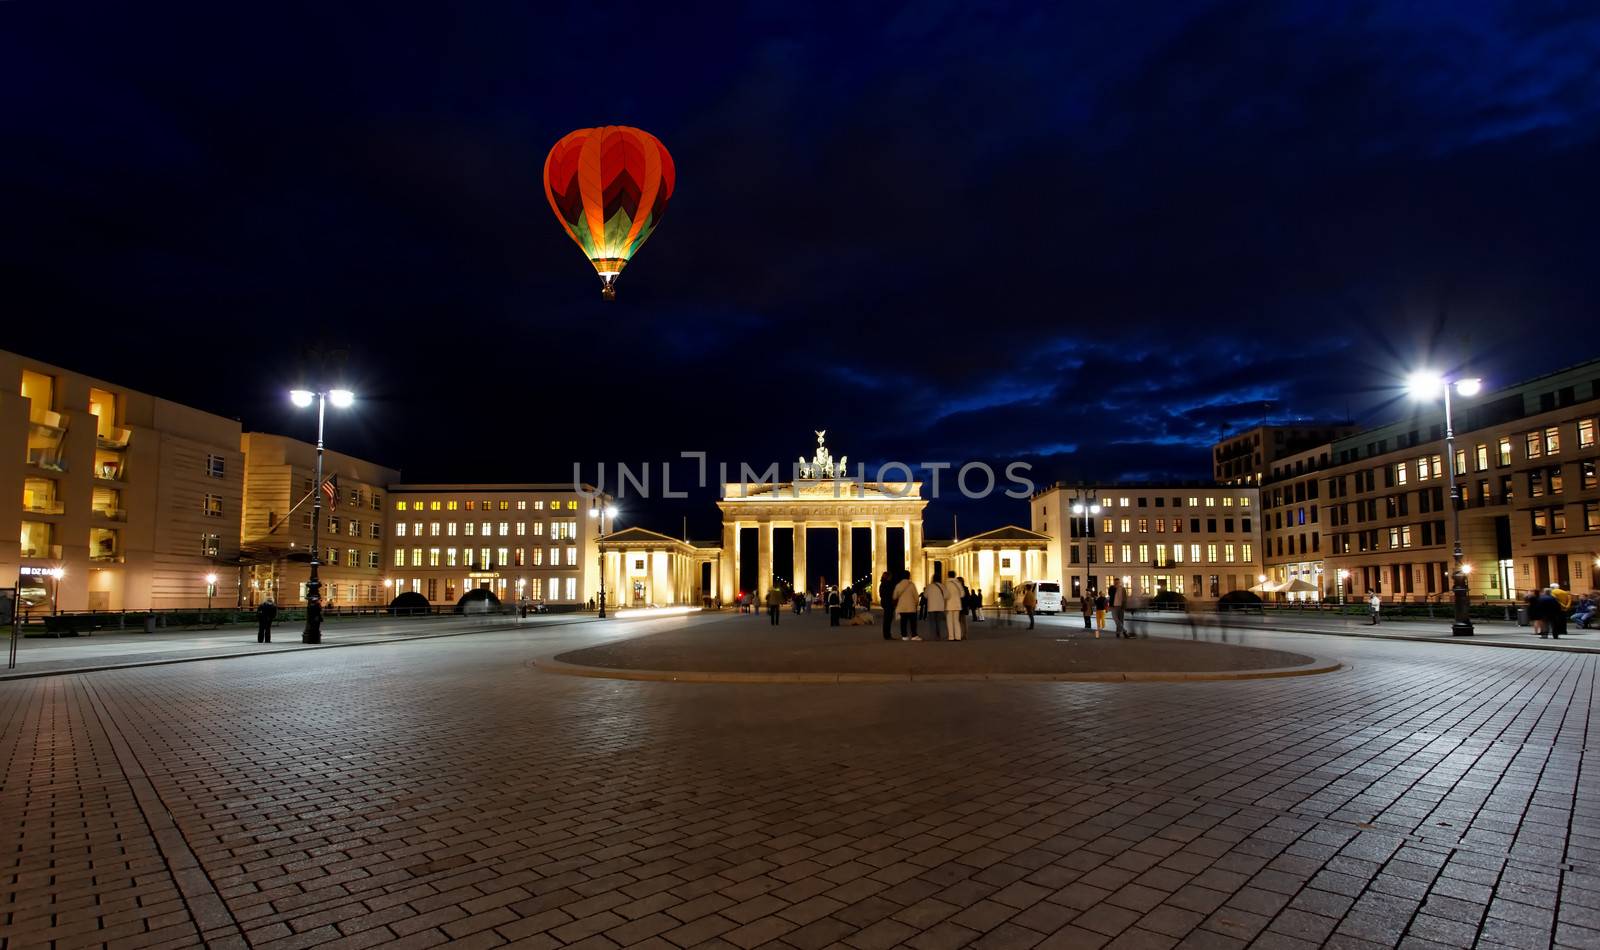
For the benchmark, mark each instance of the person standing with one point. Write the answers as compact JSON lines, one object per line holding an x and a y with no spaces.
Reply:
{"x":953,"y":620}
{"x":905,"y":605}
{"x":774,"y":605}
{"x":1549,"y":607}
{"x":934,"y":595}
{"x":1086,"y":604}
{"x":264,"y":616}
{"x":1119,"y":609}
{"x":1030,"y":602}
{"x":1563,"y":599}
{"x":1375,"y":604}
{"x":1099,"y":614}
{"x":886,"y":600}
{"x":835,"y":607}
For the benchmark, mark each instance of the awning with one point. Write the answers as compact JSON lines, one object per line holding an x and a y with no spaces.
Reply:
{"x":1297,"y":586}
{"x":1265,"y":587}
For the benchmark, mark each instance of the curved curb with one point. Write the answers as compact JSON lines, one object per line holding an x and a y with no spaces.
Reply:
{"x":550,"y":664}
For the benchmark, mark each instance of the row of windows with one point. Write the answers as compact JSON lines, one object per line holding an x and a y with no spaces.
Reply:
{"x":485,"y":505}
{"x":356,"y":497}
{"x":1161,"y":525}
{"x":532,"y":588}
{"x":1553,"y":520}
{"x":351,"y":526}
{"x":480,"y":557}
{"x":353,"y":557}
{"x":1164,"y":555}
{"x":559,"y":530}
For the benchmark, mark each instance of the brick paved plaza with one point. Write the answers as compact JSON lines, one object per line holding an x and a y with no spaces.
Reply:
{"x":444,"y":791}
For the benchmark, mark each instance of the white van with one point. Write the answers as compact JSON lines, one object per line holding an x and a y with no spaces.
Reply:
{"x":1048,"y":594}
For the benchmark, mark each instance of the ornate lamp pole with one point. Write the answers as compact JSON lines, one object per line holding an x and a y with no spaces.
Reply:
{"x":601,"y":512}
{"x":1425,"y":385}
{"x":1085,"y":509}
{"x":303,"y":398}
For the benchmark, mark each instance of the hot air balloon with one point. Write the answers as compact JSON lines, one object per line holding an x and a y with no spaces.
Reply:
{"x":610,"y":187}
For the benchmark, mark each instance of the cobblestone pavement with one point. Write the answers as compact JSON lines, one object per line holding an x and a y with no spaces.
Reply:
{"x":37,"y":655}
{"x":443,"y":791}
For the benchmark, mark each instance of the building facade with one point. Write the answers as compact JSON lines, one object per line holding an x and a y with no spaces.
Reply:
{"x":536,"y":541}
{"x":1247,"y":457}
{"x":133,"y":499}
{"x":1291,"y":524}
{"x":280,"y":495}
{"x":1200,"y":541}
{"x":993,"y":563}
{"x":644,"y":568}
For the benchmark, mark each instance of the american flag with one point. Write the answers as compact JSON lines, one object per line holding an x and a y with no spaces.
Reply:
{"x":331,"y":489}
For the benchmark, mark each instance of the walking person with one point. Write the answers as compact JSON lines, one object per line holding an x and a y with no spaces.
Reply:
{"x":886,"y":599}
{"x":1375,"y":604}
{"x":264,"y":615}
{"x":1118,"y":596}
{"x":934,"y":595}
{"x":905,"y":598}
{"x":1030,"y":602}
{"x":774,"y":605}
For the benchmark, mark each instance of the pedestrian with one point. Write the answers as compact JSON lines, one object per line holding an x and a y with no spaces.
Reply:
{"x":1375,"y":603}
{"x":1549,"y":611}
{"x":264,"y":615}
{"x":835,"y":607}
{"x":934,"y":593}
{"x":966,"y":607}
{"x":1030,"y":601}
{"x":1535,"y":612}
{"x":1086,"y":604}
{"x":774,"y":605}
{"x":1563,"y":599}
{"x":847,"y":602}
{"x":522,"y":608}
{"x":977,"y":605}
{"x":905,"y":605}
{"x":1099,"y":614}
{"x":953,"y":592}
{"x":886,"y":598}
{"x":1118,"y":596}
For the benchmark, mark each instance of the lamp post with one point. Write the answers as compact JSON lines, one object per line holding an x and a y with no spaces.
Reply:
{"x":211,"y":588}
{"x":1085,"y":510}
{"x":601,"y":512}
{"x":1343,"y":573}
{"x":1426,"y":385}
{"x":56,"y":574}
{"x":303,"y":398}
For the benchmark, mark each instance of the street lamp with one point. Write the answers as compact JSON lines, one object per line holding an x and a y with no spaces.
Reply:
{"x":1343,"y":573}
{"x":1085,"y":510}
{"x":602,"y":512}
{"x":1427,"y":385}
{"x":211,"y":588}
{"x":303,"y":398}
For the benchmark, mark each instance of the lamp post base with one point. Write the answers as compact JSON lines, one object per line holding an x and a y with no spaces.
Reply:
{"x":1461,"y":628}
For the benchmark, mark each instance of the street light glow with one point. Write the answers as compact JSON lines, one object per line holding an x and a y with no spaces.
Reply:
{"x":1424,"y":384}
{"x":211,"y":578}
{"x":301,"y":397}
{"x":1469,"y":387}
{"x":611,"y":511}
{"x":341,"y":398}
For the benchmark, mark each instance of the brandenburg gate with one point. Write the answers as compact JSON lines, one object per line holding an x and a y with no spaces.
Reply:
{"x":821,"y":496}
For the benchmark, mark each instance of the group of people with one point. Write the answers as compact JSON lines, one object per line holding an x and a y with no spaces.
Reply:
{"x":947,"y":605}
{"x":1094,"y":605}
{"x":1550,"y":609}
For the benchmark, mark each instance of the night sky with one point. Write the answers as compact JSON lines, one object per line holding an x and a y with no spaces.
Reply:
{"x":1089,"y":235}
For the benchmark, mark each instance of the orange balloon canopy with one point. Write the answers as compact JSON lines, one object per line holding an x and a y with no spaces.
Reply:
{"x":609,"y":187}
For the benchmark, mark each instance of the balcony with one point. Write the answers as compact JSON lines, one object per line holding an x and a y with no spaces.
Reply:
{"x":50,"y":552}
{"x":107,"y":470}
{"x":42,"y":506}
{"x":113,"y":438}
{"x":111,"y":514}
{"x":47,"y":458}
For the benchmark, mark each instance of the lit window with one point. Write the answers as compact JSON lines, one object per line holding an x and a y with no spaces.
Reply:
{"x":1144,"y":554}
{"x":451,"y":505}
{"x":1211,"y":503}
{"x":1534,"y":446}
{"x":433,"y":529}
{"x":450,"y":529}
{"x":416,"y":557}
{"x":522,"y":528}
{"x":1400,"y":473}
{"x":212,"y":506}
{"x":1244,"y":502}
{"x":468,"y":528}
{"x":399,"y":506}
{"x":471,"y":505}
{"x":1194,"y":502}
{"x":1505,"y":450}
{"x":1245,"y":551}
{"x":450,"y":557}
{"x":1585,"y":433}
{"x":522,"y":506}
{"x":1227,"y":553}
{"x":433,"y":557}
{"x":399,"y":557}
{"x":505,"y":528}
{"x":1127,"y":554}
{"x":433,"y":506}
{"x":1125,"y":525}
{"x":505,"y":557}
{"x":210,"y":545}
{"x":399,"y":529}
{"x":536,"y":555}
{"x":571,"y":506}
{"x":1144,"y":527}
{"x":538,"y":505}
{"x":505,"y":506}
{"x":1123,"y":501}
{"x":1227,"y":502}
{"x":1194,"y":553}
{"x":216,"y":466}
{"x":488,"y":529}
{"x":1552,"y":441}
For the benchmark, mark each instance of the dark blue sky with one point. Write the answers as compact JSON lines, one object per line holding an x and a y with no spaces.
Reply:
{"x":1093,"y":235}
